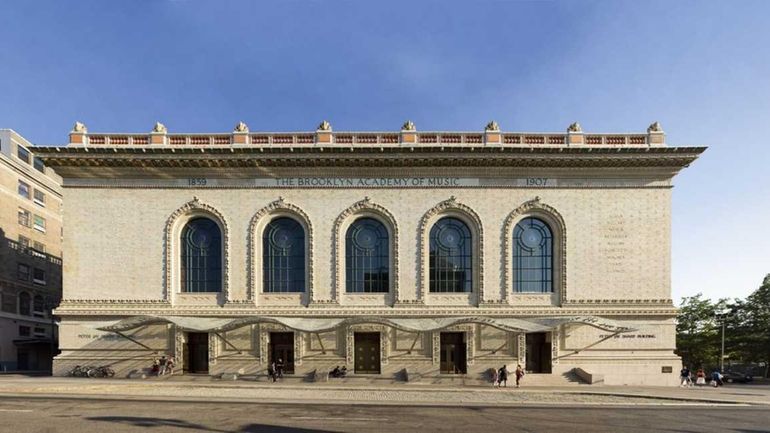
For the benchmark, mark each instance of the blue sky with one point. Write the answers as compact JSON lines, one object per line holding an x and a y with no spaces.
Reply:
{"x":701,"y":68}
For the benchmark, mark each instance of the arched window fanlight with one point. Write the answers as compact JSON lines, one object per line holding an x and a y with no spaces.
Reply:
{"x":283,"y":262}
{"x":532,"y":257}
{"x":201,"y":264}
{"x":451,"y":257}
{"x":367,"y":257}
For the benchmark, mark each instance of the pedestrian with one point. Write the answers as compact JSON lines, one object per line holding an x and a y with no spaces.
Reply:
{"x":502,"y":376}
{"x":495,"y":378}
{"x":684,"y":377}
{"x":716,"y":378}
{"x":162,"y":365}
{"x":700,"y":377}
{"x":155,"y":366}
{"x":519,"y":374}
{"x":170,"y":365}
{"x":271,"y":371}
{"x":279,"y":368}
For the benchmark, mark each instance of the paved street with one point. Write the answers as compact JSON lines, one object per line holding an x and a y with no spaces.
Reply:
{"x":45,"y":415}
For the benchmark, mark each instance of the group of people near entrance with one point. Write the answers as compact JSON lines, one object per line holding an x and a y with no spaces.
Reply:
{"x":500,"y":376}
{"x":686,"y":378}
{"x":163,"y":365}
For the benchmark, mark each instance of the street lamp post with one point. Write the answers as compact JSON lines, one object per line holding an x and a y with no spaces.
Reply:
{"x":723,"y":316}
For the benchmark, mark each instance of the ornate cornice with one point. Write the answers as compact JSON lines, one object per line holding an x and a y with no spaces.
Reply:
{"x":451,"y":207}
{"x":278,"y":207}
{"x":401,"y":156}
{"x":171,"y":244}
{"x":363,"y":207}
{"x":535,"y":208}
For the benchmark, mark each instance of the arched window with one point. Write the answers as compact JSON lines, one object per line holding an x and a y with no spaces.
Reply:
{"x":201,"y":266}
{"x":25,"y":302}
{"x":451,"y":256}
{"x":532,"y":257}
{"x":367,"y":257}
{"x":283,"y":249}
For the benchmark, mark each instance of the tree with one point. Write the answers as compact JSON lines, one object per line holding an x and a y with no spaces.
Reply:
{"x":697,"y":332}
{"x":755,"y":326}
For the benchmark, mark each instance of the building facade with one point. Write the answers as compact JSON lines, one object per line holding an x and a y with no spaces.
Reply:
{"x":399,"y":254}
{"x":30,"y":256}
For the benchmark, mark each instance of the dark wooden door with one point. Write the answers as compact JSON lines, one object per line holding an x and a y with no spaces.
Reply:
{"x":367,"y":347}
{"x":282,"y":347}
{"x":538,"y":353}
{"x":197,"y":353}
{"x":453,"y":353}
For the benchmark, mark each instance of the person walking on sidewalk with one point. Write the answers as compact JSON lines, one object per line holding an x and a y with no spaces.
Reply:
{"x":519,"y":374}
{"x":271,"y":374}
{"x":502,"y":376}
{"x":279,"y":368}
{"x":684,"y":377}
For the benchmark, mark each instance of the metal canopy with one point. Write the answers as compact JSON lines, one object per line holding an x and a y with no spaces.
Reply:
{"x":207,"y":324}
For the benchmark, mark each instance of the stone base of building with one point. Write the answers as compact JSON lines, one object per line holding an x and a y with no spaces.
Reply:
{"x":469,"y":353}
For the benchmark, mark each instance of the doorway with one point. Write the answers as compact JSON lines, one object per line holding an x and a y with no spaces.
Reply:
{"x":196,"y":353}
{"x":453,"y":350}
{"x":367,"y":359}
{"x":282,"y":347}
{"x":538,"y":353}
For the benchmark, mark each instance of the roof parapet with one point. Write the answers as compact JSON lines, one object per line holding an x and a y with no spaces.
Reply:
{"x":407,"y":136}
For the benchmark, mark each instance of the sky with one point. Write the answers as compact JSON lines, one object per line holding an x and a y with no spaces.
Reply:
{"x":700,"y":68}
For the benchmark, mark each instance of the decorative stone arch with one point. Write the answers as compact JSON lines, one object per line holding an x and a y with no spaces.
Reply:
{"x":451,"y":208}
{"x":364,"y":208}
{"x":174,"y":224}
{"x":277,"y":209}
{"x":537,"y":209}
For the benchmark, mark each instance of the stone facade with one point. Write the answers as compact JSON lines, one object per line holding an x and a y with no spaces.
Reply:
{"x":30,"y":255}
{"x":608,"y":204}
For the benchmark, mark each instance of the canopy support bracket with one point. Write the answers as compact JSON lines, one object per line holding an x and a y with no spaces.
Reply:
{"x":228,"y":343}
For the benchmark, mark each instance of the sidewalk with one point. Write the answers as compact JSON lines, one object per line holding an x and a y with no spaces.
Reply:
{"x":186,"y":388}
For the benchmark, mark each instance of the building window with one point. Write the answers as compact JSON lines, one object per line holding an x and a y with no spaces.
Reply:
{"x":201,"y":266}
{"x":22,"y":153}
{"x":24,"y":304}
{"x":532,"y":257}
{"x":24,"y":331}
{"x":24,"y":217}
{"x":38,"y":249}
{"x":23,"y":242}
{"x":283,"y":247}
{"x":23,"y":189}
{"x":38,"y":276}
{"x":39,"y":223}
{"x":39,"y":331}
{"x":9,"y":302}
{"x":39,"y":197}
{"x":38,"y":306}
{"x":451,"y":257}
{"x":22,"y":272}
{"x":38,"y":164}
{"x":367,"y":257}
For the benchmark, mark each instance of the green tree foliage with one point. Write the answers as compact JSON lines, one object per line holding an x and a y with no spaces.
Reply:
{"x":696,"y":331}
{"x":747,"y":329}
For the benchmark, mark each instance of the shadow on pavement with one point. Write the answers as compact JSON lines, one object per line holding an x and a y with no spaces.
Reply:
{"x":149,"y":422}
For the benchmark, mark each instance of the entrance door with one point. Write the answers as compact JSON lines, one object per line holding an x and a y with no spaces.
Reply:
{"x":197,"y":353}
{"x":282,"y":347}
{"x":538,"y":353}
{"x":453,"y":359}
{"x":367,"y":359}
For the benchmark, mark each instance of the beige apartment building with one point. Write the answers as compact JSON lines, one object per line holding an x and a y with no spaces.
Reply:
{"x":402,"y":255}
{"x":30,"y":255}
